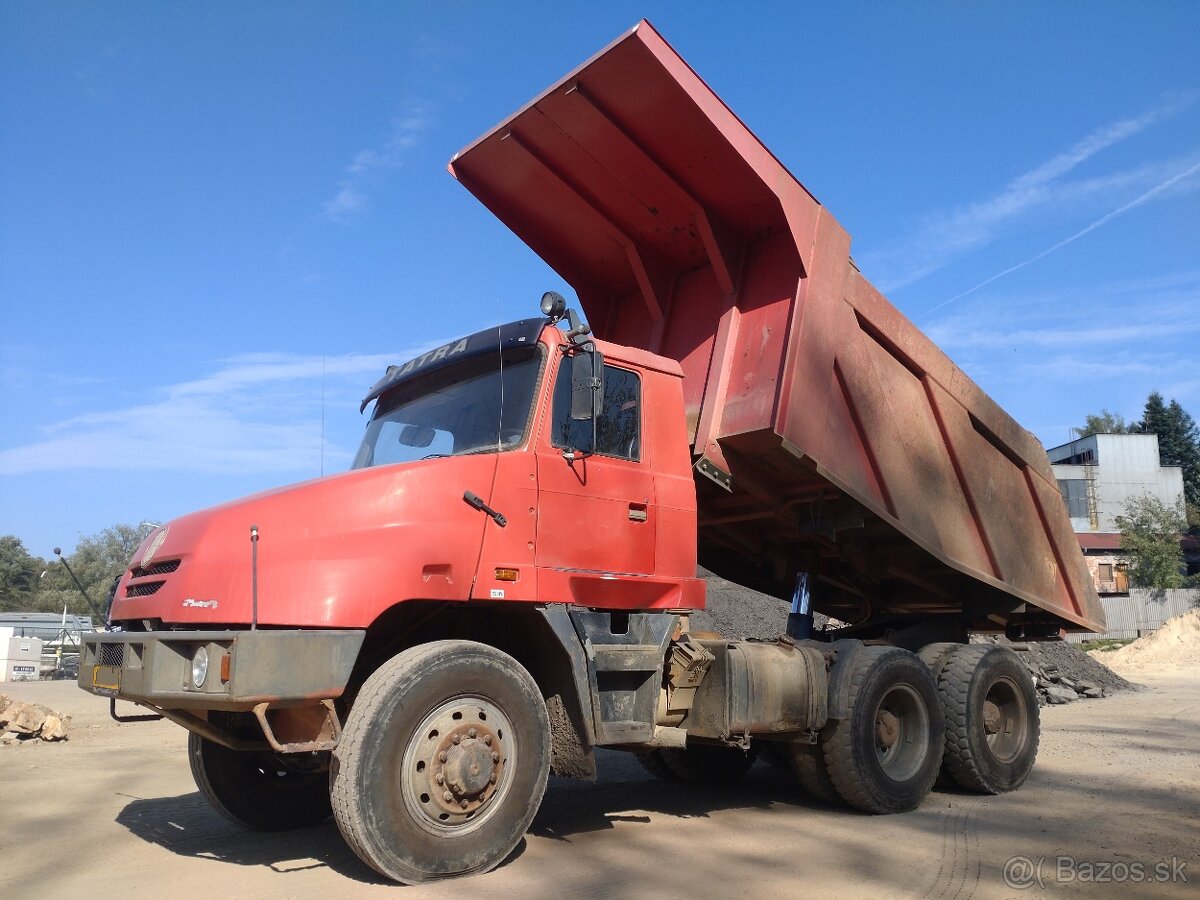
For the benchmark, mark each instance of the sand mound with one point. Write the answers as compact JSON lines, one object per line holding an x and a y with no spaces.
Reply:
{"x":1175,"y":645}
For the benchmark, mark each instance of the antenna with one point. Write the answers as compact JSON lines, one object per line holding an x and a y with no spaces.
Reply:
{"x":322,"y":415}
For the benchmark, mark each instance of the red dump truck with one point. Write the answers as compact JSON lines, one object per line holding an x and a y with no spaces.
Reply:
{"x":503,"y":581}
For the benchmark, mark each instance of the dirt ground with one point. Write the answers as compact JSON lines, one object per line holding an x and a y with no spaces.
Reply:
{"x":1118,"y":780}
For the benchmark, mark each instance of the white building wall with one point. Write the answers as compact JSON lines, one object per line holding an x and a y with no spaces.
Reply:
{"x":1126,"y":466}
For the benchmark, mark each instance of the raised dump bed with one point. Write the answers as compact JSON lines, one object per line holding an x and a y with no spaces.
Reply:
{"x":833,"y":437}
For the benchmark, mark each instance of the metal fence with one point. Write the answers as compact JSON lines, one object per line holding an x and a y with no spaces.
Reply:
{"x":1143,"y":611}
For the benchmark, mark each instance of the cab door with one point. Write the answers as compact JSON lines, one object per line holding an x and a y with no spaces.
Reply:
{"x":596,"y":515}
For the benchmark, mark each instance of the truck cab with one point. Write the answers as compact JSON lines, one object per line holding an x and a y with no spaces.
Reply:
{"x":604,"y":521}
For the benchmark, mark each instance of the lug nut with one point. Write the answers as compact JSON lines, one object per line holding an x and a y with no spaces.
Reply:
{"x":447,"y":796}
{"x":442,"y":756}
{"x":487,"y":739}
{"x":492,"y":778}
{"x":457,"y":738}
{"x":495,"y":757}
{"x":439,"y":778}
{"x":463,"y":804}
{"x":473,"y":733}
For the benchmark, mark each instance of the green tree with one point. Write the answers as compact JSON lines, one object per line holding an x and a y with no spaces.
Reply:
{"x":19,"y":571}
{"x":1178,"y":441}
{"x":1105,"y":423}
{"x":1150,"y":532}
{"x":98,"y":561}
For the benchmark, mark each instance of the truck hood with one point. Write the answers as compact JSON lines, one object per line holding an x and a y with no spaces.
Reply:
{"x":331,"y":552}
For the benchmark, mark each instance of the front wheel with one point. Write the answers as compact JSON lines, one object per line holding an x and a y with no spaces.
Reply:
{"x":258,"y":789}
{"x":442,"y":763}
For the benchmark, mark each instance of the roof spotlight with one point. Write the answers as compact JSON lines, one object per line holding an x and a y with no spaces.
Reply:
{"x":553,"y":305}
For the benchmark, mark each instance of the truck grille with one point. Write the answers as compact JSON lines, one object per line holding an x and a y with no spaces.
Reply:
{"x":143,"y":590}
{"x":166,"y":567}
{"x":111,"y":655}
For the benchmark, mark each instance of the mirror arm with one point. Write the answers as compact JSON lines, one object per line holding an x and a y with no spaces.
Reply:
{"x":596,"y":399}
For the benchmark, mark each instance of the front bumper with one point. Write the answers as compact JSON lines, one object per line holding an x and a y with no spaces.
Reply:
{"x":245,"y":668}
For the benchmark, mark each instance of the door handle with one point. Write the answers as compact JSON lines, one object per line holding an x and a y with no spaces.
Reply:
{"x":638,"y":512}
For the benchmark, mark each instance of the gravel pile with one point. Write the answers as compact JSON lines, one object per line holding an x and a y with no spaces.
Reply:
{"x":1062,"y":672}
{"x":737,"y":612}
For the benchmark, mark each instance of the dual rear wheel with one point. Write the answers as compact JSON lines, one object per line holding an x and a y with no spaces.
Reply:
{"x":992,"y":721}
{"x":971,"y":714}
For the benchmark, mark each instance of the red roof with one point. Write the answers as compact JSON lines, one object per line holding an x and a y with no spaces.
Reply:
{"x":1099,"y":541}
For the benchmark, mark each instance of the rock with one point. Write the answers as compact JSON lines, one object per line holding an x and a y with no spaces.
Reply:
{"x":1093,"y":693}
{"x":1084,"y":686}
{"x":55,"y":728}
{"x":1059,"y":695}
{"x":1066,"y":682}
{"x":25,"y":718}
{"x":7,"y":737}
{"x":5,"y":703}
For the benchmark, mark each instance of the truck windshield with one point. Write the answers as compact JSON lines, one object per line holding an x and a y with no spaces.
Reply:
{"x":463,"y":408}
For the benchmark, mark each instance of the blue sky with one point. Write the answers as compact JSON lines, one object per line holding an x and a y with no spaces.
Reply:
{"x":219,"y":221}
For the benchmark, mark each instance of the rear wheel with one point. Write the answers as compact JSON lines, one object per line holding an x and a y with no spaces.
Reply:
{"x":258,"y":789}
{"x":442,"y":763}
{"x":698,"y":764}
{"x":936,"y":655}
{"x":992,"y":719}
{"x":809,"y":765}
{"x":884,"y":755}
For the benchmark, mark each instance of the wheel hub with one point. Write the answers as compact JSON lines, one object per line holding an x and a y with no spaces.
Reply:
{"x":991,"y":717}
{"x":887,"y":729}
{"x":470,"y":767}
{"x":455,"y":763}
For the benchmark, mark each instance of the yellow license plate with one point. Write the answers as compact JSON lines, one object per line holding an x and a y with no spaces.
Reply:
{"x":106,"y":678}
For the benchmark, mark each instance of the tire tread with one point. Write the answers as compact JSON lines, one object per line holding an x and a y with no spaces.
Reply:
{"x":954,"y":686}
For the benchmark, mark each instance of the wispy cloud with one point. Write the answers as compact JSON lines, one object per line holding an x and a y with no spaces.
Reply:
{"x":257,"y":413}
{"x":1089,"y":319}
{"x":1058,"y":356}
{"x":367,"y":165}
{"x":948,"y":234}
{"x":1160,"y":188}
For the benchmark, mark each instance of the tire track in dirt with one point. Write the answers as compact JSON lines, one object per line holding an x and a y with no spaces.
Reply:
{"x":959,"y":863}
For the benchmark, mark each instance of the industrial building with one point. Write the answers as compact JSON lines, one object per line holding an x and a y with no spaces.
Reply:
{"x":1097,"y":475}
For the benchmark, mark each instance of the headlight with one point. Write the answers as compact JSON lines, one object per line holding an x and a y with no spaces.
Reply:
{"x":200,"y":667}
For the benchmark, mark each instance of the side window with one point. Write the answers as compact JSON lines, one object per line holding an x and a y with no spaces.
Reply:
{"x":618,"y":430}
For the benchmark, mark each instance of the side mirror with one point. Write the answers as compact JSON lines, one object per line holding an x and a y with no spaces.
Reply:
{"x":587,"y":390}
